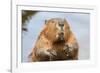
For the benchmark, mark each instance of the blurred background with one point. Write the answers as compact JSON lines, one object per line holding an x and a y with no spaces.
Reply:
{"x":33,"y":21}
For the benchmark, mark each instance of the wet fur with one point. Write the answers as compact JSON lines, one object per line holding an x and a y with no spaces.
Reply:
{"x":47,"y":48}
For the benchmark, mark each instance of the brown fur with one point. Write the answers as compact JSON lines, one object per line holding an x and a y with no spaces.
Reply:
{"x":48,"y":48}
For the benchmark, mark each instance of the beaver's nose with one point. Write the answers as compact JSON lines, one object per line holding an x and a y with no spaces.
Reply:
{"x":61,"y":33}
{"x":61,"y":36}
{"x":61,"y":25}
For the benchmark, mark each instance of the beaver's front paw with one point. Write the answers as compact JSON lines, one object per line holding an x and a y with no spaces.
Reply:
{"x":52,"y":52}
{"x":68,"y":49}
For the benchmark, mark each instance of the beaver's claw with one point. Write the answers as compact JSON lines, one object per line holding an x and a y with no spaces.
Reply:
{"x":68,"y":49}
{"x":52,"y":52}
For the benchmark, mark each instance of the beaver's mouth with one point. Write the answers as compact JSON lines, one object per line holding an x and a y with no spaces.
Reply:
{"x":61,"y":37}
{"x":59,"y":40}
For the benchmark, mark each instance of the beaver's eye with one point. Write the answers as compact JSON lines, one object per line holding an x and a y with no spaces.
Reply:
{"x":53,"y":21}
{"x":61,"y":25}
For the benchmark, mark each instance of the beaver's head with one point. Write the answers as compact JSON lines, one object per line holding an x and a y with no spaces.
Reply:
{"x":57,"y":29}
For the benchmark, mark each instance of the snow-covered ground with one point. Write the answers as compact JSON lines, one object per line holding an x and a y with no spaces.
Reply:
{"x":79,"y":23}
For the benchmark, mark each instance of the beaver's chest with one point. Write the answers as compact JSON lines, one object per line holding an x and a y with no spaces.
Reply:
{"x":61,"y":54}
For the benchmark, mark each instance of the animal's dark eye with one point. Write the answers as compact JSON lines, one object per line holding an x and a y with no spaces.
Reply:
{"x":53,"y":21}
{"x":61,"y":24}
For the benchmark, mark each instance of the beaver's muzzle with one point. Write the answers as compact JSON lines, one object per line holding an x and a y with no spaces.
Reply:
{"x":61,"y":36}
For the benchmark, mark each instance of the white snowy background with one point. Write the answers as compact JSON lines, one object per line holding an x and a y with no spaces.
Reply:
{"x":79,"y":23}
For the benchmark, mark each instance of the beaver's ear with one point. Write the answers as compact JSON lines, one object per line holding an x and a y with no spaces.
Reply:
{"x":65,"y":22}
{"x":46,"y":21}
